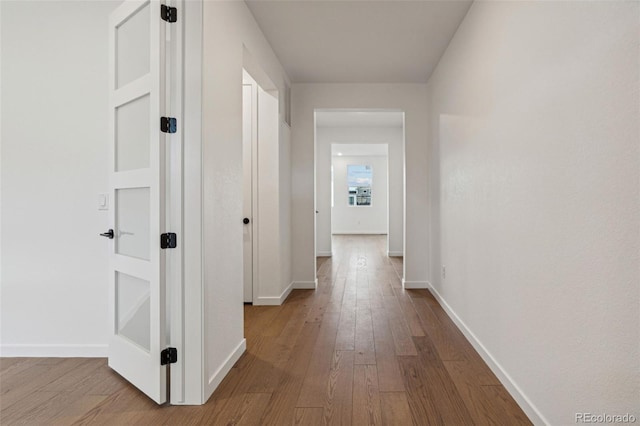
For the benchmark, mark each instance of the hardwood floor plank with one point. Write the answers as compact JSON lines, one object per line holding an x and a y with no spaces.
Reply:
{"x":408,"y":310}
{"x":395,"y":409}
{"x":365,"y":348}
{"x":253,"y":409}
{"x":103,"y":381}
{"x":399,"y":329}
{"x":242,"y":408}
{"x":72,"y":414}
{"x":451,"y":344}
{"x":281,"y":408}
{"x":503,"y":408}
{"x":337,"y":295}
{"x":389,"y":377}
{"x":431,"y":392}
{"x":19,"y":367}
{"x":448,"y":346}
{"x":8,"y":364}
{"x":366,"y":396}
{"x":309,"y":417}
{"x":338,"y":404}
{"x":313,"y":390}
{"x":74,"y":377}
{"x":346,"y":337}
{"x":16,"y":387}
{"x":486,"y":404}
{"x":25,"y":410}
{"x":281,"y":318}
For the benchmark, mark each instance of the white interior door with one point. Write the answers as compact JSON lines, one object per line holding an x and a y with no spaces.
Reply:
{"x":137,"y":155}
{"x":248,"y":130}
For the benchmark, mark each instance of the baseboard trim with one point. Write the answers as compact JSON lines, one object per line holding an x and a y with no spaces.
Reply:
{"x":216,"y":378}
{"x":54,"y":351}
{"x":415,"y":285}
{"x":305,"y":285}
{"x":323,"y":254}
{"x":525,"y":403}
{"x":274,"y":300}
{"x":395,"y":254}
{"x":360,"y":233}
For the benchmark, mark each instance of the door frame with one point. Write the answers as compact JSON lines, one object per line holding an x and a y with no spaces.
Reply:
{"x":175,"y":204}
{"x":248,"y":80}
{"x":186,"y":285}
{"x":404,"y":179}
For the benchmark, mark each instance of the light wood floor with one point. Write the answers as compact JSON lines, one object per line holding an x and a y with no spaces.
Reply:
{"x":358,"y":351}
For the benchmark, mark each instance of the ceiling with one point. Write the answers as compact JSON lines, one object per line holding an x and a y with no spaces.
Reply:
{"x":359,"y":149}
{"x":359,"y":119}
{"x":346,"y":41}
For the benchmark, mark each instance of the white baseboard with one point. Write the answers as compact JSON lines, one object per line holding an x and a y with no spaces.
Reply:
{"x":523,"y":401}
{"x":274,"y":300}
{"x":305,"y":285}
{"x":323,"y":254}
{"x":415,"y":284}
{"x":359,"y":233}
{"x":395,"y":253}
{"x":55,"y":351}
{"x":216,"y":378}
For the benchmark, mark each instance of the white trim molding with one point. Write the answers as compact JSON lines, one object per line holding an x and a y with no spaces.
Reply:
{"x":305,"y":285}
{"x":217,"y":377}
{"x":359,"y":233}
{"x":274,"y":301}
{"x":395,"y":254}
{"x":523,"y":401}
{"x":324,"y":254}
{"x":55,"y":351}
{"x":415,"y":284}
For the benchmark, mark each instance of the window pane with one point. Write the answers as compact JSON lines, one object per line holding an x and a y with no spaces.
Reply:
{"x":133,"y":135}
{"x":133,"y":47}
{"x":359,"y":178}
{"x":133,"y":317}
{"x":132,"y":222}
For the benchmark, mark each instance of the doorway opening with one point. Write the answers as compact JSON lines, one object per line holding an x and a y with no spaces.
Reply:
{"x":360,"y":177}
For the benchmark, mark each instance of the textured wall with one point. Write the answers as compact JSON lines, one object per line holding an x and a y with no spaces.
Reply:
{"x":534,"y":115}
{"x":54,"y":150}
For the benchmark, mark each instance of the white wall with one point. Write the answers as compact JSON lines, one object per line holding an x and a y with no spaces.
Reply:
{"x":284,"y":192}
{"x":54,"y":151}
{"x":393,"y":137}
{"x":272,"y":285}
{"x":535,"y":179}
{"x":229,"y":30}
{"x":410,"y":98}
{"x":373,"y":219}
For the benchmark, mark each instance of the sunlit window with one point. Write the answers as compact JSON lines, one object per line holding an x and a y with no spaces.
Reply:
{"x":359,"y":182}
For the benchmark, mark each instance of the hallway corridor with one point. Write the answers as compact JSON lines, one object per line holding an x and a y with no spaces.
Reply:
{"x":358,"y":351}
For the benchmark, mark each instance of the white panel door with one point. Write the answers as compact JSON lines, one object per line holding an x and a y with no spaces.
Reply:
{"x":136,"y":179}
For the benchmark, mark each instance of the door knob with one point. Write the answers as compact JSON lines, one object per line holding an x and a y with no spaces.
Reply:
{"x":245,"y":220}
{"x":108,"y":234}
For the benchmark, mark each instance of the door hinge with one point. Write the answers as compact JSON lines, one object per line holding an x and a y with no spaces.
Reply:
{"x":168,"y":240}
{"x":168,"y":124}
{"x":169,"y":356}
{"x":169,"y":14}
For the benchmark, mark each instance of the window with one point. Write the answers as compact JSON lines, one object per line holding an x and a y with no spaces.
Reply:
{"x":359,"y":182}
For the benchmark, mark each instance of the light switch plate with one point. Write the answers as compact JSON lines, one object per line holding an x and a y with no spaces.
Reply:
{"x":103,"y":201}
